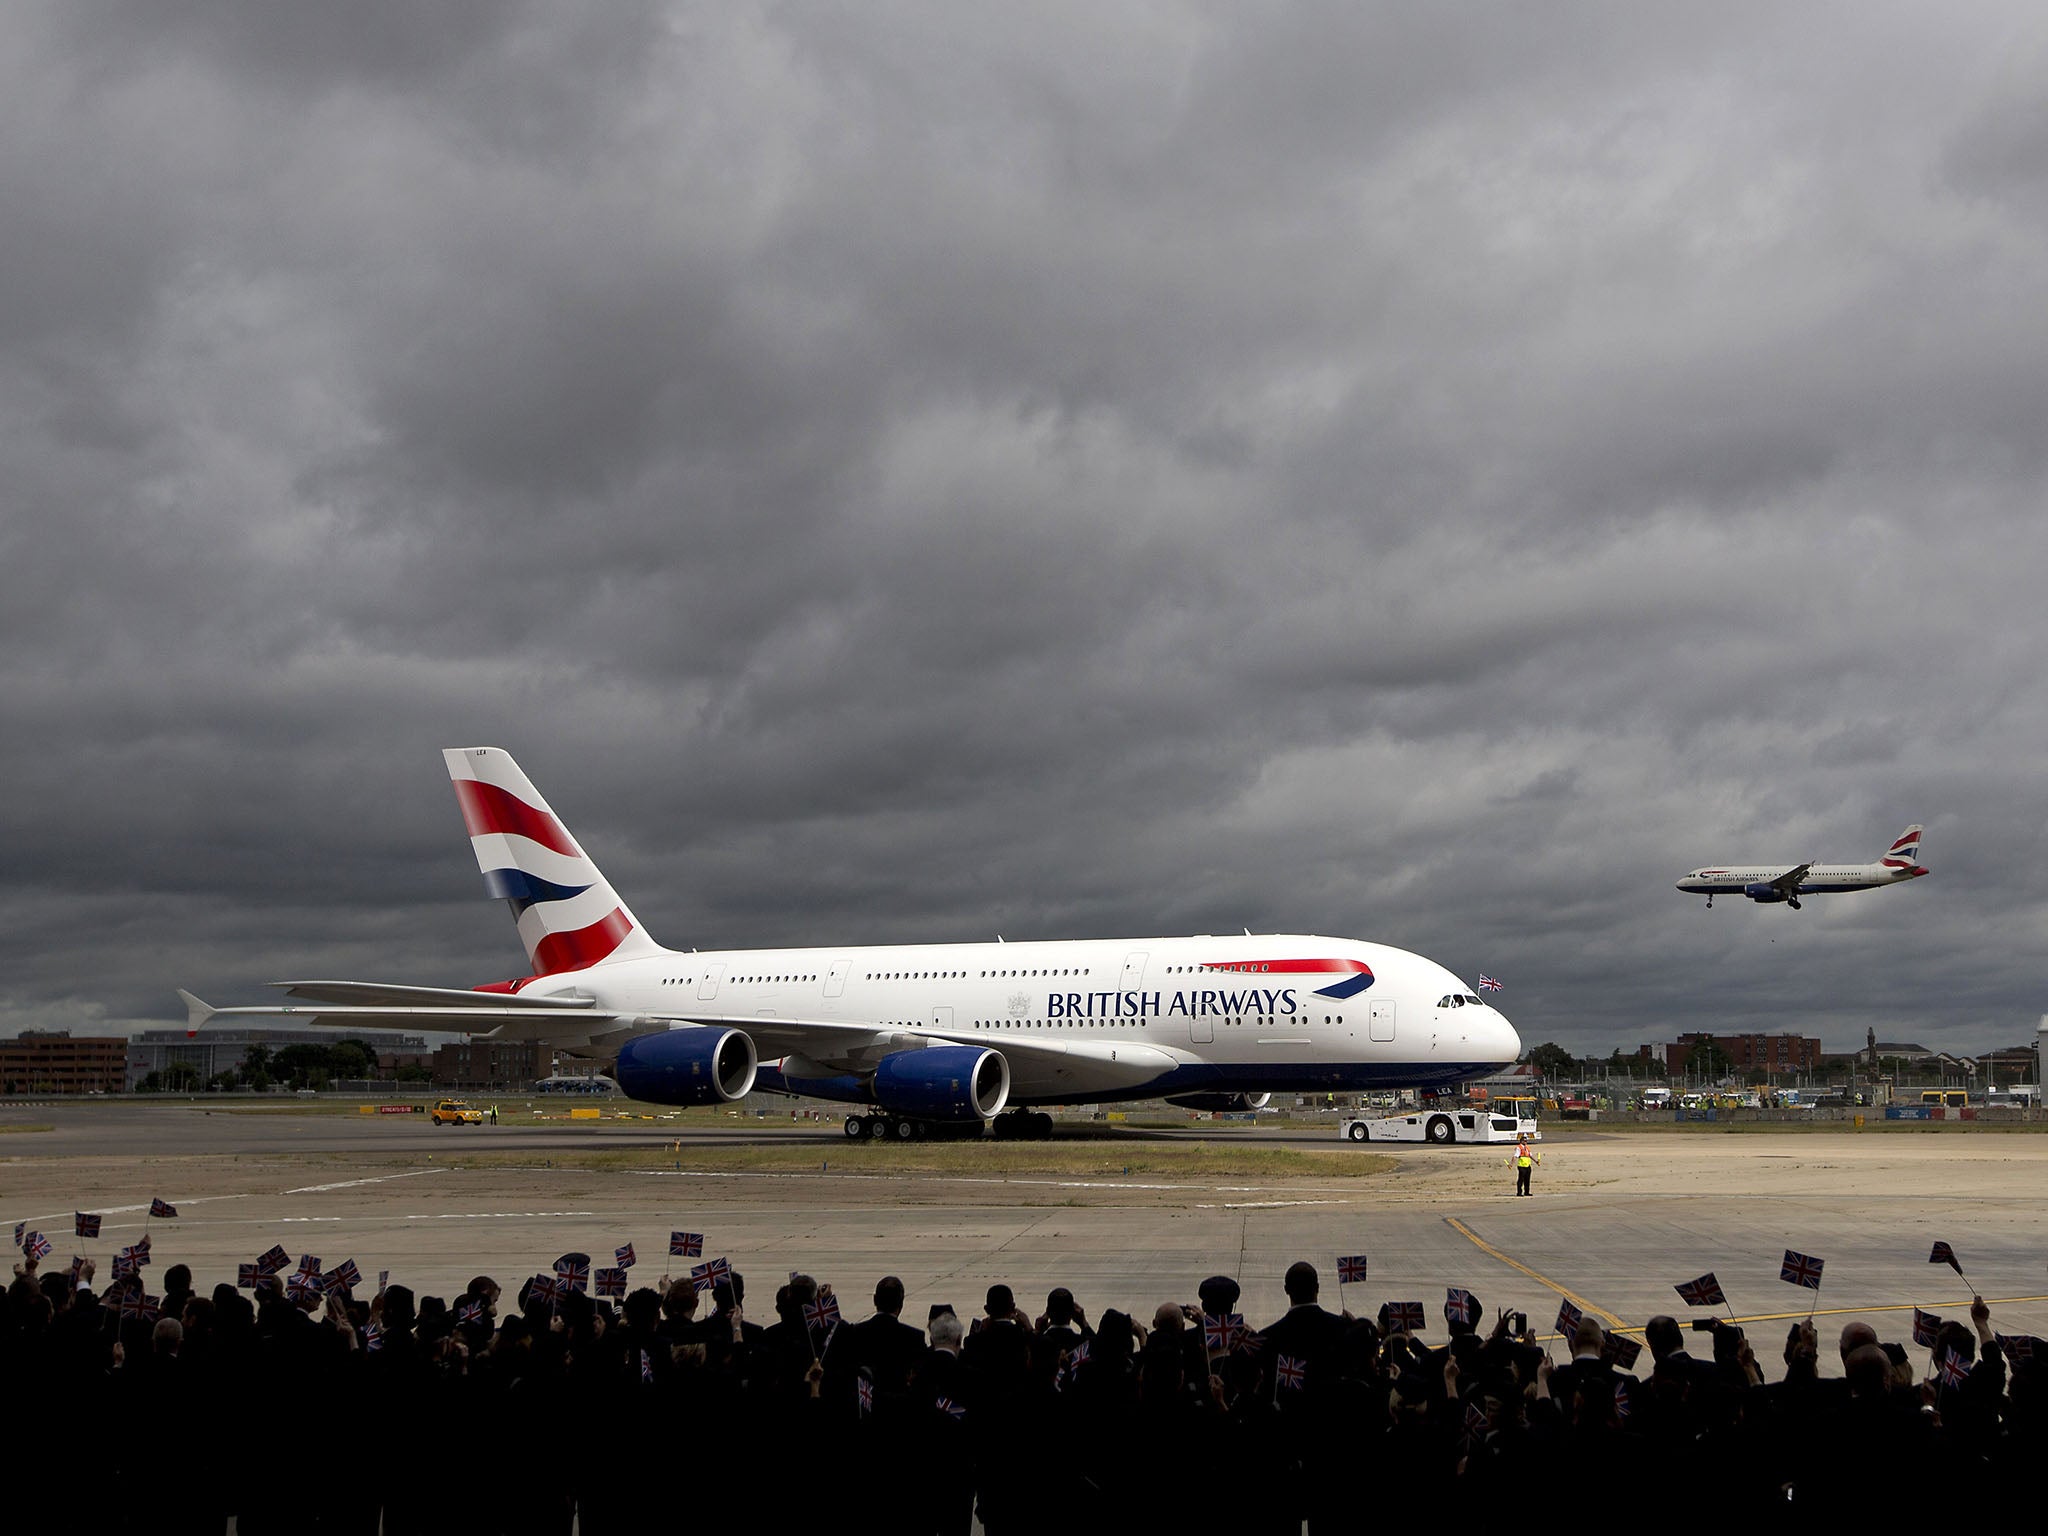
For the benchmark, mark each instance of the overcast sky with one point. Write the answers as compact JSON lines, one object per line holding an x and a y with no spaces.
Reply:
{"x":913,"y":471}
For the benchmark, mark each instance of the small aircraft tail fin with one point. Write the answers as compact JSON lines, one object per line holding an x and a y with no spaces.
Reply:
{"x":568,"y":914}
{"x":1905,"y":852}
{"x":196,"y":1012}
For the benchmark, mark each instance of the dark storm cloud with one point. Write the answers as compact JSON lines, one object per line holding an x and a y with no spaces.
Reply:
{"x":895,"y":472}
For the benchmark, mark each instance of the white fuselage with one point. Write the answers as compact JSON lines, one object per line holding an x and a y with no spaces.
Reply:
{"x":1732,"y":880}
{"x":1092,"y":1019}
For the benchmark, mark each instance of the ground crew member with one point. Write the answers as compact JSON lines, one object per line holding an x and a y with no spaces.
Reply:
{"x":494,"y":1114}
{"x":1525,"y":1162}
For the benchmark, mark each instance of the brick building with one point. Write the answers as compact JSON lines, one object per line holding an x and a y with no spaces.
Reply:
{"x":492,"y":1064}
{"x":1748,"y":1053}
{"x":53,"y":1061}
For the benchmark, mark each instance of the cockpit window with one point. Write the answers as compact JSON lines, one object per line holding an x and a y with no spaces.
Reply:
{"x":1473,"y":1000}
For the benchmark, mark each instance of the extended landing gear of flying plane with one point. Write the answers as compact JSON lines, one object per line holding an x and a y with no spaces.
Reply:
{"x":1792,"y":902}
{"x":1710,"y":902}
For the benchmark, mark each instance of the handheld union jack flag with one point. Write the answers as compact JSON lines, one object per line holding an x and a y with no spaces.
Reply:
{"x":1487,"y":983}
{"x":949,"y":1408}
{"x":1953,"y":1372}
{"x":135,"y":1255}
{"x":273,"y":1261}
{"x":1926,"y":1328}
{"x":136,"y":1303}
{"x":83,"y":1224}
{"x":1622,"y":1406}
{"x":611,"y":1282}
{"x":1460,"y":1306}
{"x":624,"y":1256}
{"x":1568,"y":1318}
{"x":1351,"y":1269}
{"x":305,"y":1289}
{"x":1216,"y":1334}
{"x":373,"y":1337}
{"x":1475,"y":1424}
{"x":1071,"y":1362}
{"x":821,"y":1312}
{"x":1406,"y":1316}
{"x":711,"y":1272}
{"x":646,"y":1369}
{"x":36,"y":1246}
{"x":1621,"y":1350}
{"x":686,"y":1245}
{"x":1943,"y":1254}
{"x":1289,"y":1373}
{"x":2018,"y":1347}
{"x":162,"y":1208}
{"x":1801,"y":1269}
{"x":866,"y":1393}
{"x":20,"y":1231}
{"x":544,"y":1288}
{"x":470,"y":1311}
{"x":308,"y":1264}
{"x":345,"y":1275}
{"x":572,"y":1272}
{"x":246,"y":1276}
{"x":1703,"y":1292}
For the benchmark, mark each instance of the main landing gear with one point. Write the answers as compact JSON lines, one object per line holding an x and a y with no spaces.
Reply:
{"x":898,"y":1128}
{"x":1018,"y":1125}
{"x":883,"y":1128}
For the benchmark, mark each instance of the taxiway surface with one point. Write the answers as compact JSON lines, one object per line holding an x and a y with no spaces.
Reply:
{"x":1618,"y":1218}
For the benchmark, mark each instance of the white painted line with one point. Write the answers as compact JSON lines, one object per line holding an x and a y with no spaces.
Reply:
{"x":491,"y":1215}
{"x":382,"y":1178}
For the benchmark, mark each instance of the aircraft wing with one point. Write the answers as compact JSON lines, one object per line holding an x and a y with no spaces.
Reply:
{"x":1788,"y":882}
{"x":580,"y":1026}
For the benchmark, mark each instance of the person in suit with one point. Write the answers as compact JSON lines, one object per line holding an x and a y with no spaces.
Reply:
{"x":884,"y":1349}
{"x":1300,"y":1356}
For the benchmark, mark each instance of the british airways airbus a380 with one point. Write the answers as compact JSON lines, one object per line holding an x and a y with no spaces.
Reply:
{"x":1789,"y":882}
{"x":920,"y":1034}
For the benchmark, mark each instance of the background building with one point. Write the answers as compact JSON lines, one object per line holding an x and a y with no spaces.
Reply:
{"x":1747,"y":1053}
{"x":213,"y":1051}
{"x":54,"y":1061}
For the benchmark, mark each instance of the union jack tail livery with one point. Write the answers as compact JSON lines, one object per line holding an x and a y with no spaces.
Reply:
{"x":1905,"y":852}
{"x":568,"y":914}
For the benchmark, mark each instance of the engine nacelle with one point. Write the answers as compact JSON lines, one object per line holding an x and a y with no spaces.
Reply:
{"x":1763,"y":890}
{"x":695,"y":1064}
{"x":1221,"y":1103}
{"x":944,"y":1082}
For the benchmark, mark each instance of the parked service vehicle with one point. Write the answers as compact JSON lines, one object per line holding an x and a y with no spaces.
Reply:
{"x":455,"y":1112}
{"x":1442,"y":1127}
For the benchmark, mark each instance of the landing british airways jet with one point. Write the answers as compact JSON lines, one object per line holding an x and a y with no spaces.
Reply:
{"x":919,"y":1035}
{"x":1787,"y":883}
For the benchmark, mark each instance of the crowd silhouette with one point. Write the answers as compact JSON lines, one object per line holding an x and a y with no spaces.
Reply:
{"x":295,"y":1402}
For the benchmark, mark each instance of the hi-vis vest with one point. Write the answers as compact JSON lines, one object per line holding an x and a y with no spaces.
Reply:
{"x":1523,"y":1157}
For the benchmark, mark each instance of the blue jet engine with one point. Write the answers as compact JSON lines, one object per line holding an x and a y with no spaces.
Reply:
{"x":694,"y":1064}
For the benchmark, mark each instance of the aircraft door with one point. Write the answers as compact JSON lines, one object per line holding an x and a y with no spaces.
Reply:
{"x":708,"y":987}
{"x":1134,"y":969}
{"x":1383,"y":1021}
{"x":835,"y":978}
{"x":1201,"y":1029}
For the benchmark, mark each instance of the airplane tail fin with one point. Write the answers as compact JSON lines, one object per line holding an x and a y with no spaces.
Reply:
{"x":568,"y":914}
{"x":1905,"y":852}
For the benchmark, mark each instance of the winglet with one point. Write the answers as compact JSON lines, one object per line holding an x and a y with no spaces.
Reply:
{"x":196,"y":1012}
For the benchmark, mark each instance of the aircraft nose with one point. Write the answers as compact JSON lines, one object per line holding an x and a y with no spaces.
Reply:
{"x":1508,"y":1042}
